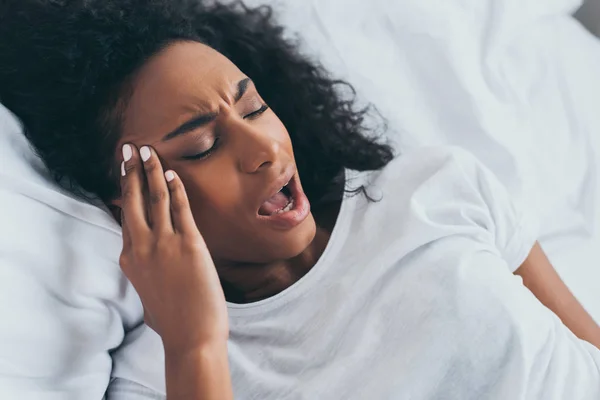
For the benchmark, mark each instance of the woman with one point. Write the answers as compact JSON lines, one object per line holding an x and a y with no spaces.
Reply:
{"x":239,"y":171}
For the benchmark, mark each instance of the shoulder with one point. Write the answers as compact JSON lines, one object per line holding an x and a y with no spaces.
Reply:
{"x":441,"y":167}
{"x":447,"y":190}
{"x":433,"y":191}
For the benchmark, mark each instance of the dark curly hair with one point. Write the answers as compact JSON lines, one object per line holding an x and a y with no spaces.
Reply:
{"x":66,"y":65}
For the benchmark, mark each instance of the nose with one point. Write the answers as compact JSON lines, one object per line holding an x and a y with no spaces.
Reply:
{"x":257,"y":149}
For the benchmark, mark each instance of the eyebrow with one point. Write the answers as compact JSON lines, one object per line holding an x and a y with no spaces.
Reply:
{"x":242,"y":88}
{"x":203,"y":119}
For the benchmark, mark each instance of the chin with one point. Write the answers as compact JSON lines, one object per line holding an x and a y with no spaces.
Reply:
{"x":265,"y":246}
{"x":290,"y":244}
{"x":302,"y":239}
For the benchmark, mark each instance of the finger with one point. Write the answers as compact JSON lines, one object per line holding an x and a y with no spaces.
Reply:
{"x":158,"y":192}
{"x":124,"y":259}
{"x":183,"y":220}
{"x":131,"y":193}
{"x":126,"y":234}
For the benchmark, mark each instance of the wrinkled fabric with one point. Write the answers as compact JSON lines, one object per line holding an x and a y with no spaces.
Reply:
{"x":486,"y":75}
{"x":514,"y":82}
{"x":413,"y":298}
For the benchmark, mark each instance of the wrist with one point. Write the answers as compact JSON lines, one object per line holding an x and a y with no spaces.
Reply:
{"x":201,"y":372}
{"x":207,"y":350}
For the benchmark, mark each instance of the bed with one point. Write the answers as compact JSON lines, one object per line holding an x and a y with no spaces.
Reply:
{"x":514,"y":82}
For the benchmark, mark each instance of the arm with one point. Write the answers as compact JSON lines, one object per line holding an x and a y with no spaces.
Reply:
{"x":169,"y":265}
{"x":199,"y":374}
{"x":527,"y":351}
{"x":544,"y":282}
{"x":513,"y":239}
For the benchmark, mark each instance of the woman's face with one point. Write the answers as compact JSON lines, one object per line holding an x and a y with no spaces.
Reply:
{"x":207,"y":122}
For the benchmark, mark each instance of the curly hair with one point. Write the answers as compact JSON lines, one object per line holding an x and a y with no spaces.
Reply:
{"x":66,"y":68}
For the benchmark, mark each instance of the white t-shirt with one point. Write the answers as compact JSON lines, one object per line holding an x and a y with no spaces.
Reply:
{"x":413,"y":298}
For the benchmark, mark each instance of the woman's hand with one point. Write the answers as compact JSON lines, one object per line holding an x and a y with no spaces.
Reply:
{"x":165,"y":257}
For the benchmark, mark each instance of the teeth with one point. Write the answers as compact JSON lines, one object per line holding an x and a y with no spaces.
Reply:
{"x":286,"y":208}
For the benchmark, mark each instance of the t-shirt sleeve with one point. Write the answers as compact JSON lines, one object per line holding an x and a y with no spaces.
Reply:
{"x":512,"y":232}
{"x":138,"y":367}
{"x":123,"y":389}
{"x":521,"y":348}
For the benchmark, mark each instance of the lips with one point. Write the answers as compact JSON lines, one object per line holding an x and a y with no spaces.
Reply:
{"x":281,"y":201}
{"x":286,"y":205}
{"x":278,"y":195}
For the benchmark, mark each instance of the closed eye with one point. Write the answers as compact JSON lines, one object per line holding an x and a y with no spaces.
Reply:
{"x":204,"y":154}
{"x":207,"y":153}
{"x":257,"y":113}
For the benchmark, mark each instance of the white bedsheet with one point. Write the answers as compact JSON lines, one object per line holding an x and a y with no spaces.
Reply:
{"x":516,"y":83}
{"x":574,"y":245}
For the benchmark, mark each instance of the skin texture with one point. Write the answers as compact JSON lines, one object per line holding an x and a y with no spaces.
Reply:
{"x":543,"y":281}
{"x":226,"y":188}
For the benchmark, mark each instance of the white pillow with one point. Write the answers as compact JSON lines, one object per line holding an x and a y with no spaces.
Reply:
{"x":64,"y":303}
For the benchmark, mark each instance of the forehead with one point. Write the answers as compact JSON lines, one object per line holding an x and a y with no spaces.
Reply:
{"x":182,"y":80}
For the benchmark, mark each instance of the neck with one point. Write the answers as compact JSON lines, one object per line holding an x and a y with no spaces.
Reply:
{"x":246,"y":284}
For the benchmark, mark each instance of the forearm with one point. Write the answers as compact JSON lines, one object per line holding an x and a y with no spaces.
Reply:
{"x":202,"y":374}
{"x":544,"y":282}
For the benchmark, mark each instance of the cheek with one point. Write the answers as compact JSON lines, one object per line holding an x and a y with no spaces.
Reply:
{"x":218,"y":214}
{"x":277,"y":131}
{"x":212,"y":196}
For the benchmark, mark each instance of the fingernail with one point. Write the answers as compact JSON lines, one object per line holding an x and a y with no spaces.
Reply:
{"x":123,"y":168}
{"x":127,"y":152}
{"x":169,"y":175}
{"x":145,"y":153}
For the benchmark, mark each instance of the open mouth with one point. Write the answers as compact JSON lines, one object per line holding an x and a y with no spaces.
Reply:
{"x":288,"y":207}
{"x":281,"y":202}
